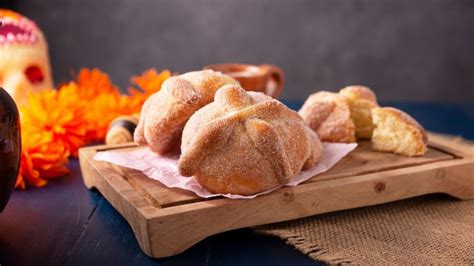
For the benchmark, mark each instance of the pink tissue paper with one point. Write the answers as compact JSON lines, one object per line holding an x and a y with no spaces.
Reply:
{"x":165,"y":169}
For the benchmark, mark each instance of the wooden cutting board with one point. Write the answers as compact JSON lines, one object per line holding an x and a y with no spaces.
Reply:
{"x":168,"y":221}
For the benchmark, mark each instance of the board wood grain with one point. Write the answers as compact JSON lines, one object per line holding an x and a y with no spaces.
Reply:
{"x":168,"y":221}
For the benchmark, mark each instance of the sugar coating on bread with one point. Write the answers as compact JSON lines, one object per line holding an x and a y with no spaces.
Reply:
{"x":328,"y":114}
{"x":246,"y":142}
{"x":398,"y":132}
{"x":361,"y":101}
{"x":165,"y":113}
{"x":207,"y":82}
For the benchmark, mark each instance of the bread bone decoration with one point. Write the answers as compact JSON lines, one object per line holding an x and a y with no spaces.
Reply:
{"x":329,"y":115}
{"x":398,"y":132}
{"x":165,"y":113}
{"x":24,"y":59}
{"x":245,"y":143}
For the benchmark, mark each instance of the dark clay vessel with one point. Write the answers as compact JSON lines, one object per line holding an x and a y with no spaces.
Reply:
{"x":10,"y":146}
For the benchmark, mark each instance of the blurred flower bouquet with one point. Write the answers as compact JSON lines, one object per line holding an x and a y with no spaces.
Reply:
{"x":57,"y":122}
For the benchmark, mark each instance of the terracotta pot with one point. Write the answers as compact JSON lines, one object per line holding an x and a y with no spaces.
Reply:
{"x":268,"y":79}
{"x":10,"y":146}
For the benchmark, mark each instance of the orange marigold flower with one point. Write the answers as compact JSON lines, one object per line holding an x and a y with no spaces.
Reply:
{"x":58,"y":112}
{"x":93,"y":82}
{"x":105,"y":108}
{"x":149,"y":82}
{"x":42,"y":158}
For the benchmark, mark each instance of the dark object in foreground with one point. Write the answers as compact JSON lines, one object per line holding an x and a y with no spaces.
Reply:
{"x":10,"y":146}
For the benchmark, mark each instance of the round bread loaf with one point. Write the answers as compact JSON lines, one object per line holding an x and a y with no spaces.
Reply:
{"x":329,"y":115}
{"x":165,"y":113}
{"x":245,"y":143}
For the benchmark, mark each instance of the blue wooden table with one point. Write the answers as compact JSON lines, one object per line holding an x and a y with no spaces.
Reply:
{"x":64,"y":223}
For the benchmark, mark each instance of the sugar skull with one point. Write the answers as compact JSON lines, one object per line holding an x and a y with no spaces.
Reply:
{"x":24,"y":59}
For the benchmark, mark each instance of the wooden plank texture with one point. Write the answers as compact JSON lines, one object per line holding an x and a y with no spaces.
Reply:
{"x":168,"y":221}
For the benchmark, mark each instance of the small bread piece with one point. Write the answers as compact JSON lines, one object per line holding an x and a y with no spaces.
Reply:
{"x":361,"y":101}
{"x":328,"y":114}
{"x":165,"y":113}
{"x":398,"y":132}
{"x":358,"y":92}
{"x":245,"y":143}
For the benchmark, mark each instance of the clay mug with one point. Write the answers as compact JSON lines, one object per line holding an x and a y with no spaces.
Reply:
{"x":10,"y":146}
{"x":268,"y":79}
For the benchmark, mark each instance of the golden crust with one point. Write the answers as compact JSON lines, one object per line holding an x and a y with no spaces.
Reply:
{"x":398,"y":132}
{"x":166,"y":112}
{"x":357,"y":92}
{"x":361,"y":100}
{"x":328,"y":114}
{"x":245,"y":143}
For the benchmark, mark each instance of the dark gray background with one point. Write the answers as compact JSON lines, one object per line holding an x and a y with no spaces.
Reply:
{"x":410,"y":50}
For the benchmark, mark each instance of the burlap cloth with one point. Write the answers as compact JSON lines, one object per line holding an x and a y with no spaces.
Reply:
{"x":432,"y":229}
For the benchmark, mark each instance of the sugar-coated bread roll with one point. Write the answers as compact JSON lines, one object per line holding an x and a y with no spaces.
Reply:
{"x":165,"y":113}
{"x":329,"y":115}
{"x":398,"y":132}
{"x":361,"y":101}
{"x":245,"y":143}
